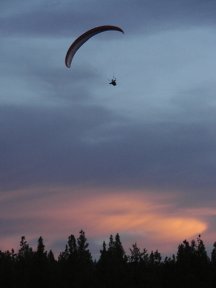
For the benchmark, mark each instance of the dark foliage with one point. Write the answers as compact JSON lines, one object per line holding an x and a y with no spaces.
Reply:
{"x":74,"y":267}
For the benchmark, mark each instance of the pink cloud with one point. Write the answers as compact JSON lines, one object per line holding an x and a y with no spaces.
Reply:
{"x":141,"y":216}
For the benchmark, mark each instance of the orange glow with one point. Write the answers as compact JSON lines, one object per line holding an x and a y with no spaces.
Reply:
{"x":63,"y":211}
{"x":135,"y":214}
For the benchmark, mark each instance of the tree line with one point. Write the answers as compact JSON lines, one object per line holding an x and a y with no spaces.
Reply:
{"x":191,"y":266}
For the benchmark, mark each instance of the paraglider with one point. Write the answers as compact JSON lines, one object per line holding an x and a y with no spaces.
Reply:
{"x":83,"y":38}
{"x":113,"y":82}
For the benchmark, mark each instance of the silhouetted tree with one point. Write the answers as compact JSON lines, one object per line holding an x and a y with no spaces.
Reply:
{"x":51,"y":257}
{"x":186,"y":253}
{"x":193,"y":262}
{"x":76,"y":261}
{"x":135,"y":254}
{"x":155,"y":258}
{"x":82,"y":249}
{"x":213,"y":254}
{"x":103,"y":252}
{"x":40,"y":247}
{"x":191,"y":267}
{"x":201,"y":252}
{"x":70,"y":252}
{"x":25,"y":251}
{"x":112,"y":263}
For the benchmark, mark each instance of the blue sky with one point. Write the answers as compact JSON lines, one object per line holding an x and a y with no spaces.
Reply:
{"x":67,"y":130}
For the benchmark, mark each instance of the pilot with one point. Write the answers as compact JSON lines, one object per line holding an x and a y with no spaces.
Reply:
{"x":113,"y":82}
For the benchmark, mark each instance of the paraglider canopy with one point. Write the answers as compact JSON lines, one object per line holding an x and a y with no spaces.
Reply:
{"x":84,"y":37}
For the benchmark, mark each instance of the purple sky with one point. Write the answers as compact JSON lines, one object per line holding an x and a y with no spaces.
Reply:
{"x":73,"y":146}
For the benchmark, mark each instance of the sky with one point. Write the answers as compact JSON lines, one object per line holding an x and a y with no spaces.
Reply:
{"x":138,"y":159}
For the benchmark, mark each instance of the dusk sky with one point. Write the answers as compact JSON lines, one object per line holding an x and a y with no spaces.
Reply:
{"x":77,"y":153}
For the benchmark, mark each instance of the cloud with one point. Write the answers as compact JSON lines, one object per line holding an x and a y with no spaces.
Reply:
{"x":63,"y":18}
{"x":90,"y":144}
{"x":56,"y":212}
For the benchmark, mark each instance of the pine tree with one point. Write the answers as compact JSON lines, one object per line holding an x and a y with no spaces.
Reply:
{"x":135,"y":254}
{"x":201,"y":251}
{"x":24,"y":250}
{"x":185,"y":253}
{"x":51,"y":257}
{"x":119,"y":250}
{"x":103,"y":253}
{"x":213,"y":255}
{"x":41,"y":247}
{"x":72,"y":245}
{"x":84,"y":254}
{"x":155,"y":257}
{"x":70,"y":252}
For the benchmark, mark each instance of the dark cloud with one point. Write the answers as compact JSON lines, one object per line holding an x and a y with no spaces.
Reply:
{"x":33,"y":139}
{"x":88,"y":144}
{"x":68,"y":18}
